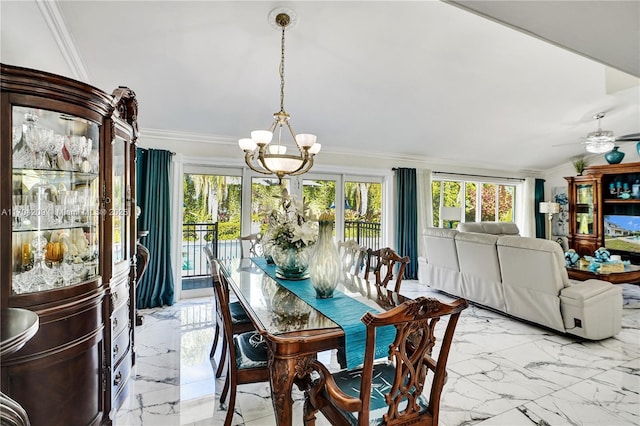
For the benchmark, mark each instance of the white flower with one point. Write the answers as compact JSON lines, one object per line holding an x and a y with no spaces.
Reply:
{"x":290,"y":226}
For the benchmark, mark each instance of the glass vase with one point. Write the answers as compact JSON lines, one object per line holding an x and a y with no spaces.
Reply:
{"x":325,"y":262}
{"x":291,"y":263}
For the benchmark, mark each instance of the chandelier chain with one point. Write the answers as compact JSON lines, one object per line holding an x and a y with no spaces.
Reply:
{"x":282,"y":71}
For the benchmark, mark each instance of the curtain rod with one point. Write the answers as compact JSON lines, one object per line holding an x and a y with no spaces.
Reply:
{"x":481,"y":176}
{"x":147,"y":149}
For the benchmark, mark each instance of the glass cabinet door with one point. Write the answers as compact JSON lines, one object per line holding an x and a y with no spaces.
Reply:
{"x":119,"y":201}
{"x":583,"y":215}
{"x":55,"y":165}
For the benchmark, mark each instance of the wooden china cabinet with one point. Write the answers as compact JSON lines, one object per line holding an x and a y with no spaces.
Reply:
{"x":601,"y":191}
{"x":68,"y":243}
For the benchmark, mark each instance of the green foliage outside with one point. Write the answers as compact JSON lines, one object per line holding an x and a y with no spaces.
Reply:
{"x":210,"y":199}
{"x":451,"y":198}
{"x":363,"y":201}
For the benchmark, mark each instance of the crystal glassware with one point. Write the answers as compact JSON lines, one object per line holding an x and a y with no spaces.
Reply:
{"x":41,"y":146}
{"x":76,"y":145}
{"x":54,"y":149}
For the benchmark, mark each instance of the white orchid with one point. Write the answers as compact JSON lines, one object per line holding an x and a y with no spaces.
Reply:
{"x":292,"y":225}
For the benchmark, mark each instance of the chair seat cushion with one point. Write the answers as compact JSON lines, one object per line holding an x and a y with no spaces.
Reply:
{"x":238,"y":314}
{"x":383,"y":376}
{"x":251,"y":350}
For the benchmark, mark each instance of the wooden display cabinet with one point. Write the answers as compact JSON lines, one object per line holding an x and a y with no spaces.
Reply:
{"x":67,"y":243}
{"x":600,"y":192}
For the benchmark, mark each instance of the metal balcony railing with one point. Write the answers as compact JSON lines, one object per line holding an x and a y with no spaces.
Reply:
{"x":196,"y":235}
{"x":367,"y":234}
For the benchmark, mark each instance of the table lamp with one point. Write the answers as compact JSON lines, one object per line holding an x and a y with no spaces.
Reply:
{"x":550,"y":208}
{"x":450,"y":214}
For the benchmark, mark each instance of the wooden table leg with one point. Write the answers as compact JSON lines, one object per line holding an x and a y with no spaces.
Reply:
{"x":283,"y":373}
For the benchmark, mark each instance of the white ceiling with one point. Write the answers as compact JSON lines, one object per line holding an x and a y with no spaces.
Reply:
{"x":422,"y":79}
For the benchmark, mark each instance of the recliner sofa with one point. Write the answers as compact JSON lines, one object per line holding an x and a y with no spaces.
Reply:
{"x":520,"y":276}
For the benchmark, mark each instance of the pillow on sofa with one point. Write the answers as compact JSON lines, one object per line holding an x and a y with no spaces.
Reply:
{"x":495,"y":228}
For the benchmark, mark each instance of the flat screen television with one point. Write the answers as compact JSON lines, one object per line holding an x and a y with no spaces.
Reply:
{"x":622,"y":233}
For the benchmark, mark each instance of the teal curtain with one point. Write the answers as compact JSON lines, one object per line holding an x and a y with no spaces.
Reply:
{"x":540,"y":219}
{"x":153,"y":196}
{"x":407,"y":219}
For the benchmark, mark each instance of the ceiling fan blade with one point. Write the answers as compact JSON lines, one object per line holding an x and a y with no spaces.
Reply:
{"x":567,"y":144}
{"x":632,"y":137}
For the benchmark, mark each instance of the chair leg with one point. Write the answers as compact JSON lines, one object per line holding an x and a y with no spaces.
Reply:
{"x":225,"y":389}
{"x":309,"y":413}
{"x":216,"y":333}
{"x":231,"y":407}
{"x":223,"y":358}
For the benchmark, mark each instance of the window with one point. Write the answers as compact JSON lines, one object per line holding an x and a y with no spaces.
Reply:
{"x":363,"y":212}
{"x":482,"y":201}
{"x":211,"y":214}
{"x":265,"y":196}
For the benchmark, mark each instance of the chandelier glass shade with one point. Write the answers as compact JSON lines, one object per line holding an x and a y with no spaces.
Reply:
{"x":600,"y":141}
{"x":266,"y":156}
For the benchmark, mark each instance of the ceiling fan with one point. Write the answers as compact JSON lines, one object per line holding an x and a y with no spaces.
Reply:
{"x":602,"y":141}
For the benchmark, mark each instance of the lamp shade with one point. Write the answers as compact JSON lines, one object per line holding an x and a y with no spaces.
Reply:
{"x":247,"y":144}
{"x":549,"y":207}
{"x":451,"y":213}
{"x":262,"y":137}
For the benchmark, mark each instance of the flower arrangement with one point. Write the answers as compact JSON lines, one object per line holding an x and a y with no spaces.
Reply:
{"x":291,"y":225}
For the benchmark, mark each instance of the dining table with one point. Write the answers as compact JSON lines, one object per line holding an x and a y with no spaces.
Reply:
{"x":294,"y":330}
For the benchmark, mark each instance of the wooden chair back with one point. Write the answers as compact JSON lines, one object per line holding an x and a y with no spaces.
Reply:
{"x":411,"y":359}
{"x":235,"y":375}
{"x":250,"y":245}
{"x":386,"y":264}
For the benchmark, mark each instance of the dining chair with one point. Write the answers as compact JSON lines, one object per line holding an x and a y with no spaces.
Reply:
{"x":391,"y":391}
{"x":250,"y":245}
{"x":247,"y":351}
{"x":348,"y":251}
{"x":385,"y":264}
{"x":361,"y":261}
{"x":239,"y":320}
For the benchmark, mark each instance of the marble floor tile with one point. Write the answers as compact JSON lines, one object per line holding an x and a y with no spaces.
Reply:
{"x":502,"y":372}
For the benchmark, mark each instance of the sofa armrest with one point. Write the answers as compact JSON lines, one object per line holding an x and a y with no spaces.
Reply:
{"x":584,"y":290}
{"x":592,"y":309}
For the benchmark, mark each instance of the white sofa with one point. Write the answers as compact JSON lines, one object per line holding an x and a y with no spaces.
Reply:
{"x":522,"y":277}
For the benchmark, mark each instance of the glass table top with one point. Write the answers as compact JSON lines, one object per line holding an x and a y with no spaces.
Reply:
{"x":280,"y":311}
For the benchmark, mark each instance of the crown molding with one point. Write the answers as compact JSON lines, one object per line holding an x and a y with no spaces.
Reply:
{"x":176,"y":135}
{"x":409,"y":160}
{"x":50,"y":11}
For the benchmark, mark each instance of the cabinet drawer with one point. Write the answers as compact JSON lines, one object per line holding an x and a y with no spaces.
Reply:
{"x":120,"y":347}
{"x":119,"y":295}
{"x":120,"y":319}
{"x":119,"y":381}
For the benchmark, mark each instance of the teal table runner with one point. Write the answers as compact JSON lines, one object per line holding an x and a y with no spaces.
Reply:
{"x":341,"y":309}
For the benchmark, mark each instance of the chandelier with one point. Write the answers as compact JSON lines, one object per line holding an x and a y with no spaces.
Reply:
{"x":601,"y":140}
{"x":267,"y":157}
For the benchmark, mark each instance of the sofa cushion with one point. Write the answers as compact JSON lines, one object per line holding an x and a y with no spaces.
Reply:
{"x":442,"y":270}
{"x":495,"y":228}
{"x":533,"y":273}
{"x":480,"y":268}
{"x":441,"y":248}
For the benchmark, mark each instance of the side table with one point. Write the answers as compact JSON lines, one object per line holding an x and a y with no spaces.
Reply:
{"x":631,"y":274}
{"x":17,"y":326}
